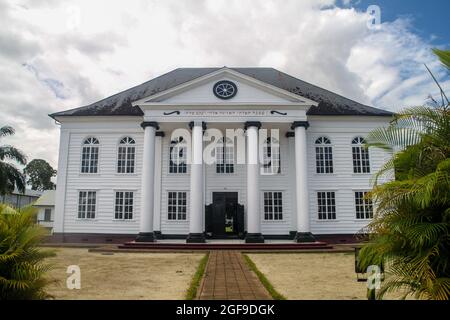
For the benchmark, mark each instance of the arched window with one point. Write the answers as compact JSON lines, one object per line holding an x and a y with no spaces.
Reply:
{"x":225,"y":156}
{"x":126,"y":155}
{"x":89,"y":155}
{"x":360,"y":155}
{"x":178,"y":156}
{"x":271,"y":156}
{"x":324,"y":155}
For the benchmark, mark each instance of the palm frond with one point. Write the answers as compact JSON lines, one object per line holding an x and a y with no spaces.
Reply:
{"x":444,"y":57}
{"x":22,"y":270}
{"x":6,"y":131}
{"x":12,"y":153}
{"x":410,"y":229}
{"x":11,"y":177}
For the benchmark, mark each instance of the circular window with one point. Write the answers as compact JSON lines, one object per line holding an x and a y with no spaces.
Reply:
{"x":225,"y":89}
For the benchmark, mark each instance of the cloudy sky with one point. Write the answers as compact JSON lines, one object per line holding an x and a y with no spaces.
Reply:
{"x":56,"y":55}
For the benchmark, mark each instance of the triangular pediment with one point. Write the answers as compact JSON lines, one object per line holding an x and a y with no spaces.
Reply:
{"x":202,"y":90}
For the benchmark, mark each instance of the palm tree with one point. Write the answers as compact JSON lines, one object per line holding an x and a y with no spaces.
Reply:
{"x":22,"y":271}
{"x":444,"y":56}
{"x":10,"y":175}
{"x":410,"y":231}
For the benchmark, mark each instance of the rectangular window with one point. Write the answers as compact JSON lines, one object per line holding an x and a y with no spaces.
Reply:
{"x":176,"y":205}
{"x":273,"y":205}
{"x":326,"y":205}
{"x":125,"y":160}
{"x":324,"y":160}
{"x":271,"y":158}
{"x":361,"y":162}
{"x":177,"y":159}
{"x":363,"y":205}
{"x":225,"y":159}
{"x":89,"y":159}
{"x":86,"y":204}
{"x":124,"y":205}
{"x":48,"y":215}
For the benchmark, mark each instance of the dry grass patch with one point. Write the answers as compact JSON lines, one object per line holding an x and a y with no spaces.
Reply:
{"x":315,"y":276}
{"x":124,"y":275}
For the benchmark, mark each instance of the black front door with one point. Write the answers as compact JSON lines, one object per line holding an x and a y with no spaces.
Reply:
{"x":223,"y":216}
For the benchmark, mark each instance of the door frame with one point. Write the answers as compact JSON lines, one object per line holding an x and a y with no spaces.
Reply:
{"x":238,"y":191}
{"x":232,"y":236}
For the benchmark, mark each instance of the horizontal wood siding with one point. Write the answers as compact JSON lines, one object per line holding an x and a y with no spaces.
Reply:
{"x":105,"y":182}
{"x":172,"y":182}
{"x":342,"y":181}
{"x":339,"y":130}
{"x":237,"y":182}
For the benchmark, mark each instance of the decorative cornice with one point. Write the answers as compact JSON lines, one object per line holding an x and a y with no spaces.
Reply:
{"x":191,"y":125}
{"x":296,"y":124}
{"x":290,"y":134}
{"x":160,"y":134}
{"x":252,"y":124}
{"x":153,"y":124}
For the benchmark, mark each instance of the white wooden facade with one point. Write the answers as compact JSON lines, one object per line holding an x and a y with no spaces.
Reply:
{"x":195,"y":102}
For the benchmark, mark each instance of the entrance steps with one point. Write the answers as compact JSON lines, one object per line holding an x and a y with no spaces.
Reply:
{"x":224,"y":245}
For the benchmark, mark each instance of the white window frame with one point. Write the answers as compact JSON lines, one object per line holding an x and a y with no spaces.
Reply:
{"x":225,"y":156}
{"x":45,"y":215}
{"x":172,"y":164}
{"x":272,"y":206}
{"x":359,"y":150}
{"x":268,"y":167}
{"x":90,"y":146}
{"x":120,"y":215}
{"x":329,"y":206}
{"x":128,"y":144}
{"x":178,"y":216}
{"x":85,"y":211}
{"x":324,"y":144}
{"x":367,"y":214}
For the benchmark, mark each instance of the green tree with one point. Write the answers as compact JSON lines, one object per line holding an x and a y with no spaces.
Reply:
{"x":22,"y":267}
{"x":410,"y":231}
{"x":10,"y":175}
{"x":40,"y":173}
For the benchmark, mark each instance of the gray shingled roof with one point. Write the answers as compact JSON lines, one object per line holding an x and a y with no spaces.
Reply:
{"x":120,"y":104}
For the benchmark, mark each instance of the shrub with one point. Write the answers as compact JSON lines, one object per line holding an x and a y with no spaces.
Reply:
{"x":22,"y":267}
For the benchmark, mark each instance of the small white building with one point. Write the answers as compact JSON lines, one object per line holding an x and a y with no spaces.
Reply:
{"x":46,"y":209}
{"x":122,"y":170}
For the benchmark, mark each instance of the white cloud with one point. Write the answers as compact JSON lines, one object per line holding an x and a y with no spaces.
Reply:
{"x":55,"y":56}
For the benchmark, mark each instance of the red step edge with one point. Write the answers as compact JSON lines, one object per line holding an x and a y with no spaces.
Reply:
{"x":236,"y":246}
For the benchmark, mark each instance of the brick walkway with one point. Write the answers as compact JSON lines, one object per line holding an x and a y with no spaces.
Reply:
{"x":227,"y":277}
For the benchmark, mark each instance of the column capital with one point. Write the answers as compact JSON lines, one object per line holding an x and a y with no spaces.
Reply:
{"x":160,"y":134}
{"x":252,"y":124}
{"x":191,"y":125}
{"x":153,"y":124}
{"x":290,"y":134}
{"x":296,"y":124}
